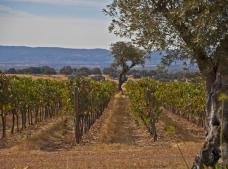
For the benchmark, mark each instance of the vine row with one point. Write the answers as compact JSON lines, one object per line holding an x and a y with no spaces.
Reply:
{"x":182,"y":98}
{"x":25,"y":102}
{"x":89,"y":98}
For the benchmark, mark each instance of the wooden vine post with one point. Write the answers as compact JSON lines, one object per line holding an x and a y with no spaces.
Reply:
{"x":4,"y":91}
{"x":151,"y":113}
{"x":76,"y":111}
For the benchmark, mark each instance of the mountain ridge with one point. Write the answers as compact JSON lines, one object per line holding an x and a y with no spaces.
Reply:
{"x":57,"y":57}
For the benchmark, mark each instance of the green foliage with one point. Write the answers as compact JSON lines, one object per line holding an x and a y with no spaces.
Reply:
{"x":125,"y":52}
{"x":182,"y":98}
{"x":4,"y":89}
{"x":143,"y":99}
{"x":185,"y":99}
{"x":187,"y":25}
{"x":126,"y":56}
{"x":186,"y":29}
{"x":218,"y":166}
{"x":36,"y":100}
{"x":31,"y":100}
{"x":94,"y":95}
{"x":26,"y":92}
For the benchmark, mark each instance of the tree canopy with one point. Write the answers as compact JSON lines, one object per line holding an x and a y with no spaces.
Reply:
{"x":126,"y":56}
{"x":195,"y":29}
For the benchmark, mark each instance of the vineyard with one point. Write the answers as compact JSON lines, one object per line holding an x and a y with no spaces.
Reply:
{"x":88,"y":100}
{"x":182,"y":98}
{"x":94,"y":113}
{"x":101,"y":120}
{"x":26,"y":102}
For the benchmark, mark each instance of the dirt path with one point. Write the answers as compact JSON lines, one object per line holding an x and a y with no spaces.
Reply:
{"x":116,"y":141}
{"x":185,"y":131}
{"x":118,"y":126}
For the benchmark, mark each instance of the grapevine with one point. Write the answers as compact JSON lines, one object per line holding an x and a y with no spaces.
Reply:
{"x":26,"y":102}
{"x":182,"y":98}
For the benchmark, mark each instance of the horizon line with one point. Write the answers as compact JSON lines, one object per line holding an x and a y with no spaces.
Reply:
{"x":28,"y":46}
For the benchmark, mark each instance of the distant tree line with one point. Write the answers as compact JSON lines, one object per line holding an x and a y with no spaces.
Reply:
{"x":165,"y":75}
{"x":156,"y":74}
{"x":33,"y":70}
{"x":66,"y":70}
{"x":83,"y":71}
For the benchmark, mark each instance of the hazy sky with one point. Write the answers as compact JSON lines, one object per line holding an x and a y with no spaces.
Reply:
{"x":62,"y":23}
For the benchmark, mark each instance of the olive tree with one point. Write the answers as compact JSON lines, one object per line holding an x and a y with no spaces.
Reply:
{"x":193,"y":29}
{"x":126,"y":56}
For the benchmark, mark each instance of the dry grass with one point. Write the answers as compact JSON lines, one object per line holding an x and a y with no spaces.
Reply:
{"x":53,"y":77}
{"x":102,"y":156}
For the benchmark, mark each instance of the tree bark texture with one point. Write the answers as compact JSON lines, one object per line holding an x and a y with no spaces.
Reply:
{"x":215,"y":147}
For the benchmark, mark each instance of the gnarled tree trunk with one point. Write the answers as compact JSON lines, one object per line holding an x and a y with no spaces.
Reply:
{"x":211,"y":151}
{"x":215,"y":147}
{"x":121,"y":80}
